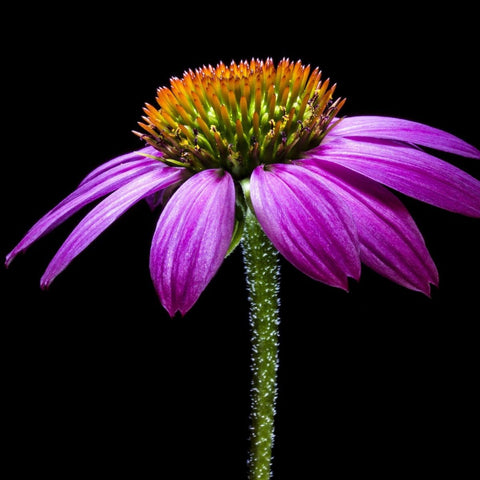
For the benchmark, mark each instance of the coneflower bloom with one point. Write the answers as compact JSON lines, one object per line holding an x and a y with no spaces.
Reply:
{"x":254,"y":135}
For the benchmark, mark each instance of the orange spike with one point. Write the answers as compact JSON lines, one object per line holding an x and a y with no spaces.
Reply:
{"x":149,"y":129}
{"x":224,"y":92}
{"x":258,"y":100}
{"x":239,"y":128}
{"x":246,"y":92}
{"x":185,"y":102}
{"x":182,"y":112}
{"x":204,"y":127}
{"x":199,"y":106}
{"x":297,"y":69}
{"x":294,"y":90}
{"x":188,"y":81}
{"x":280,"y":73}
{"x":217,"y":107}
{"x":186,"y":131}
{"x":323,"y":87}
{"x":272,"y":100}
{"x":166,"y":100}
{"x":267,"y":81}
{"x":313,"y":80}
{"x":325,"y":97}
{"x":244,"y":109}
{"x":225,"y":116}
{"x":284,"y":97}
{"x":209,"y":94}
{"x":168,"y":120}
{"x":232,"y":102}
{"x":306,"y":73}
{"x":285,"y":80}
{"x":303,"y":106}
{"x":150,"y":110}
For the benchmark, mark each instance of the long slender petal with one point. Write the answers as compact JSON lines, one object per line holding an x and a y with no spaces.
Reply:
{"x":404,"y":131}
{"x":105,"y":213}
{"x":390,"y":242}
{"x":192,"y":237}
{"x":98,"y":186}
{"x":309,"y":225}
{"x":411,"y":171}
{"x":128,"y":157}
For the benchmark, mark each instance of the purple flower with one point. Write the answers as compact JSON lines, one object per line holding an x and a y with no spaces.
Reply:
{"x":252,"y":135}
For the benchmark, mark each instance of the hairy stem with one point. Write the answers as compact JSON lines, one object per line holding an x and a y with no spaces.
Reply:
{"x":262,"y":274}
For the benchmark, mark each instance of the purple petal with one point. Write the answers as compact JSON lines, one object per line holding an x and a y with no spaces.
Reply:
{"x":98,"y":186}
{"x":105,"y":213}
{"x":128,"y":157}
{"x":405,"y":131}
{"x":307,"y":223}
{"x":390,"y":242}
{"x":408,"y":170}
{"x":191,"y":239}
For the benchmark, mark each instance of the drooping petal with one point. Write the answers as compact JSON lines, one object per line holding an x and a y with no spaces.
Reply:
{"x":105,"y":213}
{"x":411,"y":171}
{"x":98,"y":186}
{"x":390,"y":242}
{"x":128,"y":157}
{"x":405,"y":131}
{"x":307,"y":223}
{"x":191,"y":239}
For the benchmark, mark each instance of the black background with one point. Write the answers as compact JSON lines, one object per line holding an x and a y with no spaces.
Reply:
{"x":97,"y":379}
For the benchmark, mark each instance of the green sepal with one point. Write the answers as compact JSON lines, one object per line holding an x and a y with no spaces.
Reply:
{"x":240,"y":211}
{"x":237,"y":235}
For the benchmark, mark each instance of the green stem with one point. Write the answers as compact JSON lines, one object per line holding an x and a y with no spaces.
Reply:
{"x":262,"y":273}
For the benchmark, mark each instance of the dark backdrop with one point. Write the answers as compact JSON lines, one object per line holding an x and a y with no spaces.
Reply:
{"x":98,"y":379}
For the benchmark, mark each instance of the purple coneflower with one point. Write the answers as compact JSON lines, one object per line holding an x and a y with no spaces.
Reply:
{"x":255,"y":135}
{"x":251,"y":149}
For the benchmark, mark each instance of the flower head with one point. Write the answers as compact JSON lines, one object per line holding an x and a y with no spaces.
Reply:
{"x":241,"y":116}
{"x":254,"y":135}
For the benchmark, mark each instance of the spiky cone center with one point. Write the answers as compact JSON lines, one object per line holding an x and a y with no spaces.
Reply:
{"x":239,"y":116}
